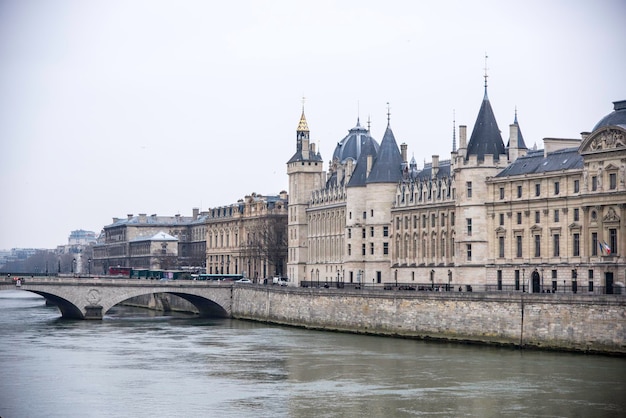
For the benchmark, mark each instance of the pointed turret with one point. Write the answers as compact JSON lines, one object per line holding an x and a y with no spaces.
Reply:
{"x":305,"y":151}
{"x":387,"y":167}
{"x":486,"y":138}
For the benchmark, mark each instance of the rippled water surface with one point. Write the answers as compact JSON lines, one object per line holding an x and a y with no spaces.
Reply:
{"x":138,"y":364}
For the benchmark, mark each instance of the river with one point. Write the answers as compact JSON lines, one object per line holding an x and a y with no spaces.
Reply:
{"x":136,"y":363}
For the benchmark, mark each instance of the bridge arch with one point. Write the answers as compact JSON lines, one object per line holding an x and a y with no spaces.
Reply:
{"x":91,"y":299}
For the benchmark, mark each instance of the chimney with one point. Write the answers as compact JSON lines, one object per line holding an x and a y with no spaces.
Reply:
{"x":462,"y":136}
{"x":435,"y":167}
{"x":403,"y":147}
{"x":513,"y":144}
{"x":142,"y":218}
{"x":195,"y":212}
{"x":130,"y":216}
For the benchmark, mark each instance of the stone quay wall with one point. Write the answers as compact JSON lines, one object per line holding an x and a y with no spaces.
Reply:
{"x":595,"y":324}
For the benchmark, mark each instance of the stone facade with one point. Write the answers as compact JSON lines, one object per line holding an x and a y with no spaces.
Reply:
{"x":249,"y":237}
{"x":492,"y":217}
{"x":558,"y":321}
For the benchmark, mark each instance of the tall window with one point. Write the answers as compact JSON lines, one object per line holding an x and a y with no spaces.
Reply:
{"x":469,"y":252}
{"x":385,"y":231}
{"x":469,"y":189}
{"x":537,"y":245}
{"x":556,"y":215}
{"x":576,"y":186}
{"x":594,"y":243}
{"x":537,"y":189}
{"x":363,"y":249}
{"x":501,"y":247}
{"x":349,"y":233}
{"x":576,"y":215}
{"x":537,"y":217}
{"x":363,"y":232}
{"x":556,"y":244}
{"x":576,"y":245}
{"x":385,"y":248}
{"x":613,"y":240}
{"x":519,"y":218}
{"x":349,"y":249}
{"x":594,"y":183}
{"x":371,"y":231}
{"x":612,"y":181}
{"x":519,"y":191}
{"x":469,"y":226}
{"x":501,"y":219}
{"x":518,"y":243}
{"x":371,"y":248}
{"x":501,"y":193}
{"x":556,"y":187}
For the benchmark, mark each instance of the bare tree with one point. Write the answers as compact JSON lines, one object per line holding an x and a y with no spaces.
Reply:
{"x":267,"y":241}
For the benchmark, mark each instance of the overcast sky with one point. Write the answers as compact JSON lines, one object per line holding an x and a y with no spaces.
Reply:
{"x":116,"y":107}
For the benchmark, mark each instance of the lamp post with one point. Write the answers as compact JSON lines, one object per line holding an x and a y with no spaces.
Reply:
{"x":523,"y":280}
{"x":542,"y":279}
{"x":89,"y":267}
{"x":396,"y":276}
{"x":73,"y":265}
{"x":432,"y":279}
{"x":449,"y":279}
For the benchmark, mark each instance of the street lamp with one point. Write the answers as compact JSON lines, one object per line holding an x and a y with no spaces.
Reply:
{"x":523,"y":280}
{"x":449,"y":279}
{"x":432,"y":279}
{"x":73,"y":266}
{"x":396,"y":275}
{"x":89,"y":266}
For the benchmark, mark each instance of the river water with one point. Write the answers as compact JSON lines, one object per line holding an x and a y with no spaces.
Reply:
{"x":136,"y":363}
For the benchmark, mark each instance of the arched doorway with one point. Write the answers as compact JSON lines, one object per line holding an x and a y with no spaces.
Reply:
{"x":536,"y":282}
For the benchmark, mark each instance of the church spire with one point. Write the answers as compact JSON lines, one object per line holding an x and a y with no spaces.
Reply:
{"x":302,"y":125}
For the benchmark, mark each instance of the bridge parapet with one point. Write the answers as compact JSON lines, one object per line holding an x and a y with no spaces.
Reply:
{"x":91,"y":298}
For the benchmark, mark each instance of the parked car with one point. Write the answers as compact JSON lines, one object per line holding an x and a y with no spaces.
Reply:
{"x":243,"y":281}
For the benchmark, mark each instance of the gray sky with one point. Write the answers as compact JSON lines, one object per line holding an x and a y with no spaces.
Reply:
{"x":116,"y":107}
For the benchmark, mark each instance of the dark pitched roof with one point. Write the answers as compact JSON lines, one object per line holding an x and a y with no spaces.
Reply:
{"x":534,"y":162}
{"x":617,"y":117}
{"x":387,"y":167}
{"x":486,"y":138}
{"x":426,"y":172}
{"x":359,"y":175}
{"x":350,"y":146}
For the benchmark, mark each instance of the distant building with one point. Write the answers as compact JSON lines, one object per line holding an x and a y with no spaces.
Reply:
{"x":81,"y":237}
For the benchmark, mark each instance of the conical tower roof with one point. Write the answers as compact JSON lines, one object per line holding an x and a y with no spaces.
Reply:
{"x":387,"y":167}
{"x":486,"y":138}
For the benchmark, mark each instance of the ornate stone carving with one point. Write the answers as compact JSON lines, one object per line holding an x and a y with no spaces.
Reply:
{"x":611,"y":216}
{"x":609,"y":139}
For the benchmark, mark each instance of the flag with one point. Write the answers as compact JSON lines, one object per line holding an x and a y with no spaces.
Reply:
{"x":601,"y":247}
{"x":607,"y":248}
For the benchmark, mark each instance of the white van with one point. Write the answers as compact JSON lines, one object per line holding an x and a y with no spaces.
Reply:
{"x":279,"y":281}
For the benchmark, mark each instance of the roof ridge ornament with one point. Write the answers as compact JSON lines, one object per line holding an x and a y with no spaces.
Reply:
{"x":486,"y":75}
{"x":388,"y":114}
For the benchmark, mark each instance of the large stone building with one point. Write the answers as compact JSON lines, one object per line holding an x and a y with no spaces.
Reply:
{"x":490,"y":217}
{"x":151,"y":242}
{"x":245,"y":238}
{"x":248,"y":237}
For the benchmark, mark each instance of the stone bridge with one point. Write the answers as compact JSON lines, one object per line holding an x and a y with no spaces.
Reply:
{"x":91,"y":298}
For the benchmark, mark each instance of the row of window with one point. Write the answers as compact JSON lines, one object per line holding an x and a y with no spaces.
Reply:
{"x":556,"y":217}
{"x":597,"y":247}
{"x":371,"y":246}
{"x":371,"y":229}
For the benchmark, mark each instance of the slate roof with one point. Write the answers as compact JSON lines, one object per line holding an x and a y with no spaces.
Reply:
{"x":159,"y":236}
{"x":387,"y":167}
{"x":426,"y":172}
{"x":486,"y":138}
{"x":351,"y":145}
{"x":617,"y":117}
{"x":359,"y":175}
{"x":534,"y":162}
